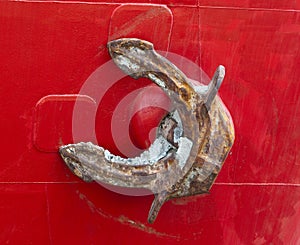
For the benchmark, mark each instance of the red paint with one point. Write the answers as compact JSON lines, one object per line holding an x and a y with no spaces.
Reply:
{"x":51,"y":48}
{"x":142,"y":21}
{"x":60,"y":107}
{"x":151,"y":105}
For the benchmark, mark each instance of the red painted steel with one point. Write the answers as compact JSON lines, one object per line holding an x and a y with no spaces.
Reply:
{"x":50,"y":49}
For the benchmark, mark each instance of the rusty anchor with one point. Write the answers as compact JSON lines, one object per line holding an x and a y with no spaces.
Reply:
{"x":191,"y":144}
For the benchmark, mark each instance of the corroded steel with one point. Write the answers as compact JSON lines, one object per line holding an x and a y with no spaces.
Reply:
{"x":192,"y":142}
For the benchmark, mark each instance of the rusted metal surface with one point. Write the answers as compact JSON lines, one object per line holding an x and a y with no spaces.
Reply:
{"x":192,"y":142}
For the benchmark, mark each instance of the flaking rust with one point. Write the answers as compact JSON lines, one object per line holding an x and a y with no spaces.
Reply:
{"x":192,"y":141}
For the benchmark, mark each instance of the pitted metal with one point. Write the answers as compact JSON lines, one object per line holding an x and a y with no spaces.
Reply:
{"x":192,"y":142}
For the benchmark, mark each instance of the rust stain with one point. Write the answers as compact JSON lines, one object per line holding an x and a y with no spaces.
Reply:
{"x":125,"y":220}
{"x":186,"y":200}
{"x":140,"y":226}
